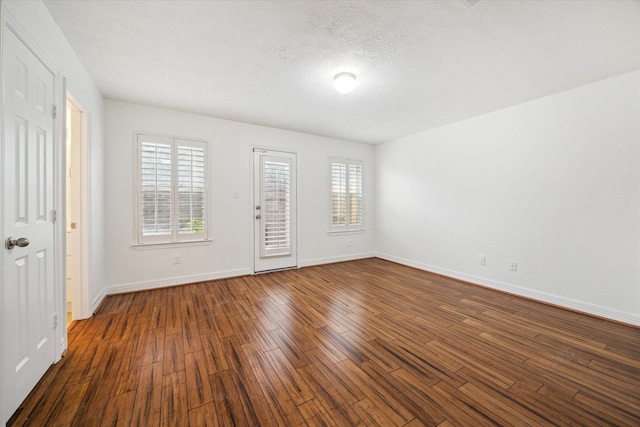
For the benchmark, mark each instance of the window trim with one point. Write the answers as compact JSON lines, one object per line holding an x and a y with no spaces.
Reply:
{"x":346,"y":228}
{"x":151,"y":246}
{"x":141,"y":242}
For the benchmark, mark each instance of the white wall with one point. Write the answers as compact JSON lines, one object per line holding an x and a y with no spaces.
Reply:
{"x":231,"y":172}
{"x":34,"y":17}
{"x":553,"y":184}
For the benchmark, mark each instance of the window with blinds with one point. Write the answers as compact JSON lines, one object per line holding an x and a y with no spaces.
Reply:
{"x":191,"y":186}
{"x":346,"y":195}
{"x":276,"y":206}
{"x":172,"y":190}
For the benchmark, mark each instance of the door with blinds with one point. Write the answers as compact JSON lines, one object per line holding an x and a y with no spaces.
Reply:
{"x":274,"y":210}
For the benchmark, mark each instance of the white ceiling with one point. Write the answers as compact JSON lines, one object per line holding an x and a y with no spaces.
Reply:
{"x":419,"y":64}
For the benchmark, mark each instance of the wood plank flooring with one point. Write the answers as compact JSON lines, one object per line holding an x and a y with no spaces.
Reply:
{"x":361,"y":343}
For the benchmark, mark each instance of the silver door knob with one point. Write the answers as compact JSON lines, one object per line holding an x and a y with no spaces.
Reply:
{"x":20,"y":242}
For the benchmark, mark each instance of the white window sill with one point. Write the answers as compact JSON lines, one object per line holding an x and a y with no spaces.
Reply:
{"x":152,"y":246}
{"x":345,"y":232}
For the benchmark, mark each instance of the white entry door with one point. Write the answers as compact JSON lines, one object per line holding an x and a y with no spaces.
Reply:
{"x":28,"y":304}
{"x":274,"y":198}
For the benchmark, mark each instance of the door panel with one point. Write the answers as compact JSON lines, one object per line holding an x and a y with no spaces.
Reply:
{"x":28,"y":334}
{"x":275,"y":210}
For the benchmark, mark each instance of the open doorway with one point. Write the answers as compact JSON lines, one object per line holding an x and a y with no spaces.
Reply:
{"x":76,"y":177}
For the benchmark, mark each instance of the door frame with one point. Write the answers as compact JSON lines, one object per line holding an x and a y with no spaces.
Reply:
{"x":255,"y":202}
{"x":80,"y":246}
{"x":9,"y":23}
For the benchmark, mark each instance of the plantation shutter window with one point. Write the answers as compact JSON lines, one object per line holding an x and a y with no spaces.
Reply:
{"x":338,"y":194}
{"x":155,"y":212}
{"x":276,"y":206}
{"x":346,"y":195}
{"x":172,"y":190}
{"x":191,"y":186}
{"x":354,"y":178}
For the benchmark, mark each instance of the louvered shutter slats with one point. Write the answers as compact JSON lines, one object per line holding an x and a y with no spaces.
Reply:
{"x":191,"y":187}
{"x":346,"y":195}
{"x":156,"y":189}
{"x":276,"y":207}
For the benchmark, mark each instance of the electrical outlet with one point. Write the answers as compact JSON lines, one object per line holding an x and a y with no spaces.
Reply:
{"x":482,"y":260}
{"x":514,"y":266}
{"x":177,"y":259}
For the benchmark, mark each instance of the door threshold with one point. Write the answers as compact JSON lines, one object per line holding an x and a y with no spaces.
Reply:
{"x":275,"y":269}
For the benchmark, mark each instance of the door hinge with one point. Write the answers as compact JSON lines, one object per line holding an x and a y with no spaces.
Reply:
{"x":54,"y":111}
{"x":54,"y":216}
{"x":55,"y":321}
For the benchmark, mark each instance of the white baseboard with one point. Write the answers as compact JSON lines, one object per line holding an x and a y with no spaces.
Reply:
{"x":97,"y":301}
{"x":582,"y":306}
{"x":174,"y":281}
{"x":330,"y":260}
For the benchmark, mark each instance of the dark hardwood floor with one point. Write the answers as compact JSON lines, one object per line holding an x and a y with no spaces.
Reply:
{"x":359,"y":343}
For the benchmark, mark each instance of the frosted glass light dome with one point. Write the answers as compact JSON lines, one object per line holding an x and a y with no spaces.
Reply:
{"x":344,"y":82}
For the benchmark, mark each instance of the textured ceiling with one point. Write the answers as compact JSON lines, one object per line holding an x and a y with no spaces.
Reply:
{"x":419,"y":64}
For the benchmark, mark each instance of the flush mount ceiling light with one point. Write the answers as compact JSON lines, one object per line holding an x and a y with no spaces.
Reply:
{"x":344,"y":82}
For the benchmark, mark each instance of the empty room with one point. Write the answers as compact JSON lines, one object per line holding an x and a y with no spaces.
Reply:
{"x":320,"y":213}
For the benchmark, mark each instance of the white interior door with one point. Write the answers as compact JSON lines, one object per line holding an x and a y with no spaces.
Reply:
{"x":28,"y":304}
{"x":274,"y":198}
